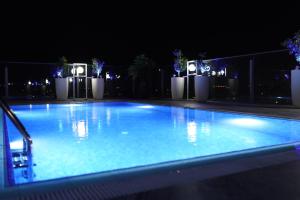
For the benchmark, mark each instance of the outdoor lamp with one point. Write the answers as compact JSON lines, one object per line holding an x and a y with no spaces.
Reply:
{"x":73,"y":71}
{"x":192,"y":67}
{"x":298,"y":58}
{"x":80,"y":70}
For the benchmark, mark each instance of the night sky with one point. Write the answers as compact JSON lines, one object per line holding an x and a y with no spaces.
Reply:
{"x":117,"y":33}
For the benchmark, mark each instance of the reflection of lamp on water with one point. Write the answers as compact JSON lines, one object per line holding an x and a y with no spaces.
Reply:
{"x":192,"y":131}
{"x":108,"y":116}
{"x":60,"y":126}
{"x":247,"y":122}
{"x":205,"y":128}
{"x":80,"y":129}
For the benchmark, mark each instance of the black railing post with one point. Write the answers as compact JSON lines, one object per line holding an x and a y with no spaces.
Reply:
{"x":251,"y":80}
{"x":6,"y":81}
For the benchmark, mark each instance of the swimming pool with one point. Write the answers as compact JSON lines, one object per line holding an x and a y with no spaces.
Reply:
{"x":77,"y":139}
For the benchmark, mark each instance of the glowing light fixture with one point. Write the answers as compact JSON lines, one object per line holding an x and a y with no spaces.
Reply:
{"x":192,"y":67}
{"x":18,"y":144}
{"x":222,"y":72}
{"x":59,"y":74}
{"x":191,"y":70}
{"x":146,"y":106}
{"x":247,"y":122}
{"x":80,"y":70}
{"x":47,"y":82}
{"x":107,"y":76}
{"x":205,"y":68}
{"x":298,"y":58}
{"x":29,"y":83}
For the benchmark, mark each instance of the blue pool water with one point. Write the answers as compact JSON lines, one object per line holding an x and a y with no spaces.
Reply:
{"x":76,"y":139}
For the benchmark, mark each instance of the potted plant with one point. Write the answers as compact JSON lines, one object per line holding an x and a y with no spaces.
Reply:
{"x":97,"y":80}
{"x":141,"y":72}
{"x":293,"y":44}
{"x":61,"y":80}
{"x":202,"y":80}
{"x":177,"y":83}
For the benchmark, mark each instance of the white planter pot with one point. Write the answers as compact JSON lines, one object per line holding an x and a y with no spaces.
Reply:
{"x":201,"y":88}
{"x":98,"y":88}
{"x":61,"y":88}
{"x":295,"y":86}
{"x":177,"y":87}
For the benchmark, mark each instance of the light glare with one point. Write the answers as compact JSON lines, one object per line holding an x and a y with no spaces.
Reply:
{"x":247,"y":122}
{"x":80,"y":70}
{"x":192,"y":67}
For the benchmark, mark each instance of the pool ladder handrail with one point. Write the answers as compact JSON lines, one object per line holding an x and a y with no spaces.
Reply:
{"x":26,"y":137}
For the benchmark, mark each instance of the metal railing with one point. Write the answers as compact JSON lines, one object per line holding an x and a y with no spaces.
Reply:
{"x":26,"y":137}
{"x":261,"y":77}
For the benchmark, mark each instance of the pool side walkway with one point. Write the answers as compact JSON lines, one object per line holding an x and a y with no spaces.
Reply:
{"x":286,"y":111}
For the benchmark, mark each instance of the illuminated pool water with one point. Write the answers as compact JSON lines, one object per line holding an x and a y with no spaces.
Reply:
{"x":76,"y":139}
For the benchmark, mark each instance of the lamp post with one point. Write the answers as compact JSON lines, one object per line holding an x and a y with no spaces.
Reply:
{"x":77,"y":69}
{"x":6,"y":81}
{"x":190,"y":70}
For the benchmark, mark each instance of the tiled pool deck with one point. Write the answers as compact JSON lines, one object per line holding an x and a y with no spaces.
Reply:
{"x":267,"y":177}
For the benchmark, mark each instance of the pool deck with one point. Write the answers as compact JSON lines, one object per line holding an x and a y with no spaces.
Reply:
{"x":269,"y":176}
{"x":285,"y":111}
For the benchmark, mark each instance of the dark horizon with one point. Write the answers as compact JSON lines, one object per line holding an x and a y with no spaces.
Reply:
{"x":118,"y":35}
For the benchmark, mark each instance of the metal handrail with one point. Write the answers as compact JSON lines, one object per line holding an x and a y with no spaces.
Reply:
{"x":17,"y":123}
{"x":246,"y":55}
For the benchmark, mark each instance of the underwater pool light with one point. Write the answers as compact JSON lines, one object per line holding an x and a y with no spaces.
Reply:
{"x":246,"y":121}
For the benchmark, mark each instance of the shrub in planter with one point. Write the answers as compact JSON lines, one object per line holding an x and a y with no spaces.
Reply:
{"x":177,"y":83}
{"x":97,"y":80}
{"x":61,"y":80}
{"x":202,"y":80}
{"x":293,"y":44}
{"x":141,"y":72}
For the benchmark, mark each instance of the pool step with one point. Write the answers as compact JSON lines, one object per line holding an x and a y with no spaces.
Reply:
{"x":19,"y":159}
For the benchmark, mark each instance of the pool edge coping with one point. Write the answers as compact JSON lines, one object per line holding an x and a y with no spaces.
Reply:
{"x":144,"y":171}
